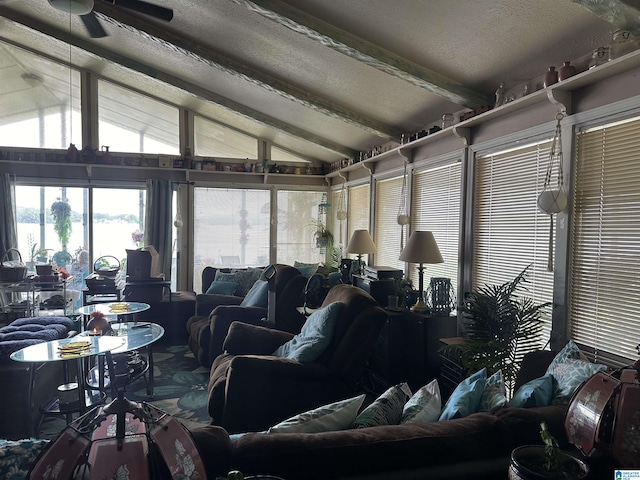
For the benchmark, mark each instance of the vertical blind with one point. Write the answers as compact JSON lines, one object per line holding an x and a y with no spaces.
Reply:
{"x":358,"y":216}
{"x":387,"y":231}
{"x":435,"y":207}
{"x":509,"y":231}
{"x":604,"y":275}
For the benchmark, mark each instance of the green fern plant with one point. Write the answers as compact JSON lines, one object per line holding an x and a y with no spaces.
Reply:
{"x":500,"y":326}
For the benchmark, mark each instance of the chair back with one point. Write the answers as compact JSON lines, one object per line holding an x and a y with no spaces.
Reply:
{"x":288,"y":286}
{"x":358,"y":327}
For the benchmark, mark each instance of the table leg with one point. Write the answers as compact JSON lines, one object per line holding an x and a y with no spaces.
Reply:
{"x":150,"y":360}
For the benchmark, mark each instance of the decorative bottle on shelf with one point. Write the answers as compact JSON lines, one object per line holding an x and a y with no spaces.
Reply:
{"x":566,"y":70}
{"x":600,"y":55}
{"x":622,"y":42}
{"x":106,"y":156}
{"x":550,"y":77}
{"x":72,"y":153}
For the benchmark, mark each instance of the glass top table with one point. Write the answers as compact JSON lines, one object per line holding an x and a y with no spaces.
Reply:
{"x":114,"y":308}
{"x":51,"y":352}
{"x":134,"y":335}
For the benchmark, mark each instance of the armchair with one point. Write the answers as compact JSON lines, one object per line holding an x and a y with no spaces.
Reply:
{"x":286,"y":291}
{"x":250,"y":390}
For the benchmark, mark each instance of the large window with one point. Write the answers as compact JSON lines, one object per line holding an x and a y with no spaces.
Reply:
{"x":510,"y":232}
{"x":358,"y":211}
{"x":435,"y":207}
{"x":298,"y":221}
{"x":131,"y":122}
{"x":387,"y":231}
{"x":39,"y":101}
{"x":215,"y":140}
{"x":231,"y":229}
{"x":604,"y":277}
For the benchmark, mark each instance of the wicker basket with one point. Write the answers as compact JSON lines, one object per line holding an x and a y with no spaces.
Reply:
{"x":12,"y":273}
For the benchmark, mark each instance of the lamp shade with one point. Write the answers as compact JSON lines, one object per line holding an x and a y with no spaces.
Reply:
{"x":421,"y":248}
{"x":361,"y":242}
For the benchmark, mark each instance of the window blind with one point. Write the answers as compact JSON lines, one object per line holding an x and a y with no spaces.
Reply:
{"x":509,"y":231}
{"x":358,"y":211}
{"x":387,"y":231}
{"x":297,"y":219}
{"x":435,"y":207}
{"x":605,"y":252}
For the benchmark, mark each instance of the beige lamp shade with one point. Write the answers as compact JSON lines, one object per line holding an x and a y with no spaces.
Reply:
{"x":361,"y":242}
{"x":421,"y":248}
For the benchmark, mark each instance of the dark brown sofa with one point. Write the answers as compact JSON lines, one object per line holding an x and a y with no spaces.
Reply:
{"x":477,"y":446}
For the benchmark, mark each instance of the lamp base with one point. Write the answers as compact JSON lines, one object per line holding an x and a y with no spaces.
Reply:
{"x":420,"y":307}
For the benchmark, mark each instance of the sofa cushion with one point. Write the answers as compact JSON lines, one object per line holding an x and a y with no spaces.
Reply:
{"x":384,"y":410}
{"x":222,"y":287}
{"x":334,"y":416}
{"x":424,"y":406}
{"x":24,"y":332}
{"x":494,"y":396}
{"x":465,"y":399}
{"x":257,"y":296}
{"x":315,"y":336}
{"x":535,"y":393}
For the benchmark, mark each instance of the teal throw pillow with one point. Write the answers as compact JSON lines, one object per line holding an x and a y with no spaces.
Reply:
{"x":386,"y":409}
{"x":494,"y":396}
{"x":258,"y":296}
{"x":569,"y":375}
{"x":306,"y":269}
{"x":535,"y":393}
{"x":221,"y":287}
{"x":315,"y":336}
{"x":465,"y":399}
{"x":424,"y":406}
{"x":246,"y":279}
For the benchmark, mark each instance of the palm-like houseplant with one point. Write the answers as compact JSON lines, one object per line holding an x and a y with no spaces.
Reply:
{"x":500,"y":327}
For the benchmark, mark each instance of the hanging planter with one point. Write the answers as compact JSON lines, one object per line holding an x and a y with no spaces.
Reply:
{"x":403,"y":215}
{"x":61,"y":212}
{"x":553,"y":199}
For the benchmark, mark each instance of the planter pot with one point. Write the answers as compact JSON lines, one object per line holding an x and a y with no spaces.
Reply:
{"x":527,"y":464}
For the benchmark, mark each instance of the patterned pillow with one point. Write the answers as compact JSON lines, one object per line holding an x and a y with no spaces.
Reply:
{"x":494,"y":396}
{"x":335,"y":416}
{"x":424,"y":406}
{"x":386,"y":409}
{"x":569,"y":375}
{"x":535,"y":393}
{"x":245,"y":279}
{"x":16,"y":457}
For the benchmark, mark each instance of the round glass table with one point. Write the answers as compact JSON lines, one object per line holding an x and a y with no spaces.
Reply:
{"x":114,"y":308}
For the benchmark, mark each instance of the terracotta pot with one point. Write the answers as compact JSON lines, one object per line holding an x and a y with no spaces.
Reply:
{"x":550,"y":77}
{"x":566,"y":70}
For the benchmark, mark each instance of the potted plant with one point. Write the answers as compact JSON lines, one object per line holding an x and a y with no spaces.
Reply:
{"x":531,"y":462}
{"x":61,"y":212}
{"x":500,"y":326}
{"x":401,"y":287}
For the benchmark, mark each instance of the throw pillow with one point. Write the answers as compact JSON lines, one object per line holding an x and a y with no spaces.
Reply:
{"x":424,"y":406}
{"x":306,"y":269}
{"x":225,"y":277}
{"x":335,"y":416}
{"x":221,"y":287}
{"x":386,"y":409}
{"x":258,"y":296}
{"x":535,"y":393}
{"x":246,"y":279}
{"x":494,"y":396}
{"x":465,"y":399}
{"x":315,"y":336}
{"x":569,"y":375}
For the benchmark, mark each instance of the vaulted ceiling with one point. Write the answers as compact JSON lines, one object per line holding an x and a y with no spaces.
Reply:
{"x":323,"y":78}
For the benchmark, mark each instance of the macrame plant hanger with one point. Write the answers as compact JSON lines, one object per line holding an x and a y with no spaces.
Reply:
{"x":553,"y":199}
{"x":403,"y":216}
{"x":341,"y":213}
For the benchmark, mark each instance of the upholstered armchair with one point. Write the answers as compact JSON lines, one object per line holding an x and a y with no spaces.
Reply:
{"x":286,"y":293}
{"x":250,"y":389}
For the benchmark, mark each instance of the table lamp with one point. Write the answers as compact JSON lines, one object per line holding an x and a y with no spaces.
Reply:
{"x":421,"y":248}
{"x":361,"y":243}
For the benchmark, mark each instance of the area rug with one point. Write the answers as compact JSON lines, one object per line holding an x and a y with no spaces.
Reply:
{"x":180,"y":389}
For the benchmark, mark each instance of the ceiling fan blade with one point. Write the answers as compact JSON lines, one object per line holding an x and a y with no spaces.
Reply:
{"x":156,"y":11}
{"x":92,"y":24}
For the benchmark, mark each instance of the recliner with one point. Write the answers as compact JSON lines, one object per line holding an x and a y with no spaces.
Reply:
{"x":250,"y":389}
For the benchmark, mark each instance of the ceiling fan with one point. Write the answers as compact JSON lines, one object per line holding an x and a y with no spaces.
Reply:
{"x":84,"y":8}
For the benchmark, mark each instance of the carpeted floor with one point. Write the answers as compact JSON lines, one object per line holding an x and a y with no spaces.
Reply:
{"x":180,"y":389}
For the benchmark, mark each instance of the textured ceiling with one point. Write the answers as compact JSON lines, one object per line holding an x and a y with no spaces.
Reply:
{"x":323,"y":78}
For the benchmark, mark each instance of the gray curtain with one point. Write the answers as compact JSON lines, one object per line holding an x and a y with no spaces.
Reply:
{"x":159,"y":221}
{"x":8,"y":226}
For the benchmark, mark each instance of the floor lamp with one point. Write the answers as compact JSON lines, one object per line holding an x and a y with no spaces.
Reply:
{"x":421,"y":248}
{"x":361,"y":243}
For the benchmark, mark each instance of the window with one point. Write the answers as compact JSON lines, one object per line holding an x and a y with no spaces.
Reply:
{"x":298,"y":220}
{"x":281,"y":155}
{"x":387,"y":231}
{"x":358,"y":211}
{"x":215,"y":140}
{"x":435,"y":207}
{"x":231,"y":229}
{"x":509,"y":231}
{"x":604,"y":275}
{"x":131,"y":122}
{"x":39,"y":101}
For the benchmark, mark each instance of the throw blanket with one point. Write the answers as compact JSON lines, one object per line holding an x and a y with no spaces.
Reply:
{"x":29,"y":331}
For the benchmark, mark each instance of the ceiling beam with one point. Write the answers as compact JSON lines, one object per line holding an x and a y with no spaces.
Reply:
{"x":169,"y":79}
{"x":178,"y":43}
{"x":624,"y":14}
{"x":365,"y":52}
